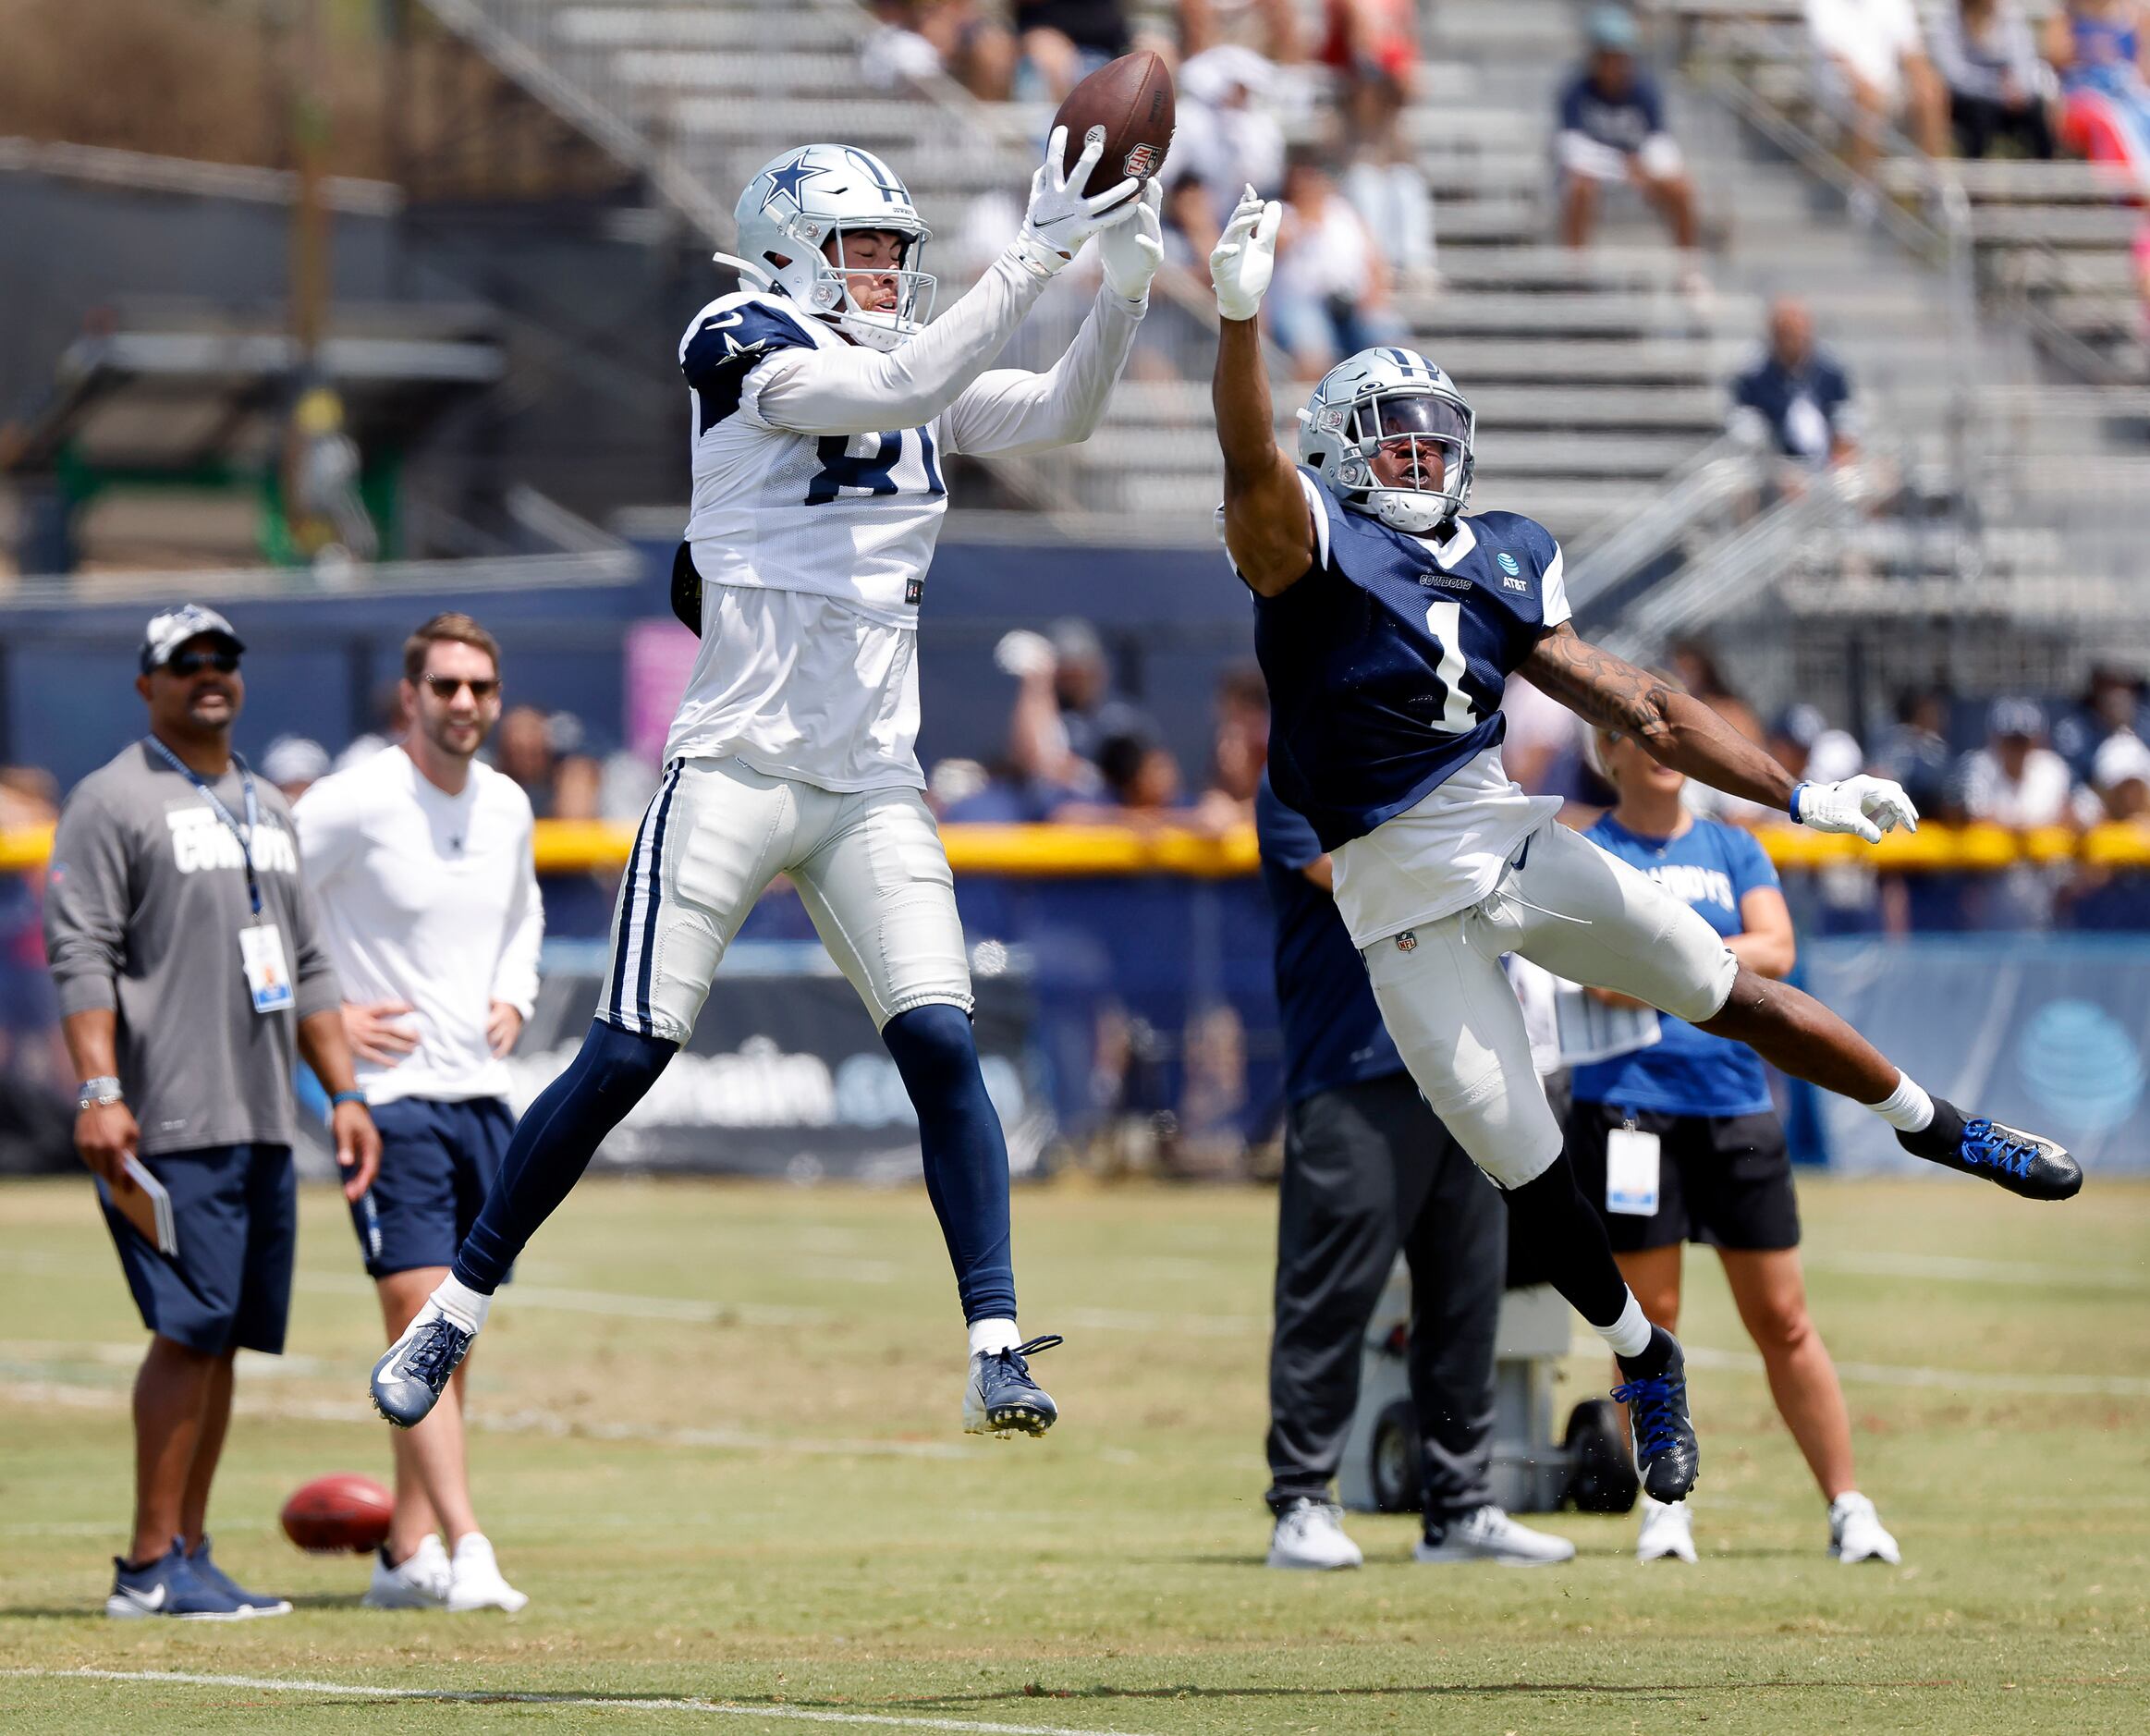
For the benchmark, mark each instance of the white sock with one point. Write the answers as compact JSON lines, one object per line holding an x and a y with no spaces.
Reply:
{"x":1907,"y":1109}
{"x":1630,"y":1334}
{"x":988,"y":1336}
{"x":462,"y":1304}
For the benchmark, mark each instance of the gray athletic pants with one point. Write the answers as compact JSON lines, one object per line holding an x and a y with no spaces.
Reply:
{"x":1367,"y":1170}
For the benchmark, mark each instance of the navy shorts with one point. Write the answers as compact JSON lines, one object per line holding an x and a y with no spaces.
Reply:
{"x":235,"y":1214}
{"x":437,"y":1160}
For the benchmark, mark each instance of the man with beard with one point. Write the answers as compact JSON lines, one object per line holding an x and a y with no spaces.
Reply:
{"x":183,"y":943}
{"x":420,"y":858}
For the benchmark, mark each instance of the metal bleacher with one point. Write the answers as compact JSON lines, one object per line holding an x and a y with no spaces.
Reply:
{"x":1592,"y":373}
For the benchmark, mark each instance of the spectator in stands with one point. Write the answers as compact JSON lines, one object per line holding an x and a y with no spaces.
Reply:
{"x":1241,"y":750}
{"x":2120,"y":774}
{"x":1064,"y":40}
{"x":1331,"y":294}
{"x":1612,"y":133}
{"x":1797,"y":399}
{"x":1266,"y":28}
{"x":1917,"y":755}
{"x":1875,"y":71}
{"x":915,"y":40}
{"x":294,"y":765}
{"x":1696,"y":666}
{"x":2099,"y":48}
{"x":543,"y":755}
{"x":1142,"y":785}
{"x":1803,"y":743}
{"x":1227,"y":138}
{"x":1998,"y":88}
{"x":2111,"y":702}
{"x":1064,"y":708}
{"x":2015,"y":780}
{"x":1373,"y":47}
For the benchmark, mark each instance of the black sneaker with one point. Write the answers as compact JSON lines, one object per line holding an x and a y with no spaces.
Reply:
{"x":1665,"y":1451}
{"x":2023,"y":1162}
{"x":408,"y":1381}
{"x":1002,"y":1398}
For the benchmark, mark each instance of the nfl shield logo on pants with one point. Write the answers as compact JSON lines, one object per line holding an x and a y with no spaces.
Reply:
{"x":1408,"y":941}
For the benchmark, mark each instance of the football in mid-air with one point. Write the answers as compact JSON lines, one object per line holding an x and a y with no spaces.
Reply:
{"x":1130,"y":98}
{"x":337,"y":1515}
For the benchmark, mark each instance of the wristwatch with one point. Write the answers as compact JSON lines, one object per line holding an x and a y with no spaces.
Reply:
{"x":100,"y":1091}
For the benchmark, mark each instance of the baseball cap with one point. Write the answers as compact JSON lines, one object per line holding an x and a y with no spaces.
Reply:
{"x":170,"y":628}
{"x":2121,"y":757}
{"x":294,"y":760}
{"x":1613,"y":28}
{"x":2015,"y":717}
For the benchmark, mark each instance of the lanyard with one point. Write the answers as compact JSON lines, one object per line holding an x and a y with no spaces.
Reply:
{"x":244,"y":836}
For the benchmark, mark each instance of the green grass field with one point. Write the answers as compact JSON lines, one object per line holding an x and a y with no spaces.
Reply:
{"x":718,"y":1446}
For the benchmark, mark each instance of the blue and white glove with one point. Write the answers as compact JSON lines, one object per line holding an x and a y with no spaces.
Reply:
{"x":1868,"y":806}
{"x":1061,"y":217}
{"x":1244,"y":258}
{"x":1130,"y":252}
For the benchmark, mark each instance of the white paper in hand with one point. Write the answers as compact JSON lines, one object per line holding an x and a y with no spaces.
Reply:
{"x":147,"y":1205}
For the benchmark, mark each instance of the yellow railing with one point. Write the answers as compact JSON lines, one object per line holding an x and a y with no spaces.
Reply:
{"x":571,"y":846}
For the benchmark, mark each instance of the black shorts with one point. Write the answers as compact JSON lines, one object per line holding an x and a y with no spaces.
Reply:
{"x":1724,"y":1180}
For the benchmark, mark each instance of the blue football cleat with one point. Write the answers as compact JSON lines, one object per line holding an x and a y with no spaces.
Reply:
{"x":2023,"y":1163}
{"x":203,"y":1565}
{"x":407,"y":1382}
{"x":1665,"y":1451}
{"x":168,"y":1586}
{"x":1002,"y":1399}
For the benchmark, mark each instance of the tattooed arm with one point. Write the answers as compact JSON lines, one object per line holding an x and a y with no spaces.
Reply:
{"x":1674,"y":728}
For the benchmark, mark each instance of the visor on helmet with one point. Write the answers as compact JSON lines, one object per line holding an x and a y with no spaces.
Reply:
{"x":1419,"y":415}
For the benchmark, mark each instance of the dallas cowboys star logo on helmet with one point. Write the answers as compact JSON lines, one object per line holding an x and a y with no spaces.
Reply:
{"x":789,"y":177}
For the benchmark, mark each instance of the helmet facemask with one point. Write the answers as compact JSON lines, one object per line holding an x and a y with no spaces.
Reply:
{"x":878,"y":328}
{"x":1420,"y":441}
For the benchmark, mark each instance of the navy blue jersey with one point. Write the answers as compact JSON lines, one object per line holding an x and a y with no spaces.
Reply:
{"x":1387,"y":661}
{"x":1332,"y":1033}
{"x":1710,"y":867}
{"x":1806,"y":410}
{"x":1620,"y":123}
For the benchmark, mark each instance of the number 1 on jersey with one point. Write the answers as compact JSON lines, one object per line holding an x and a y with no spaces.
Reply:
{"x":1445,"y":622}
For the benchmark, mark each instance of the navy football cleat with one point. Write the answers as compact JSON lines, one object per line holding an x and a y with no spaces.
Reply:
{"x":2023,"y":1163}
{"x":407,"y":1382}
{"x":1665,"y":1451}
{"x":1002,"y":1399}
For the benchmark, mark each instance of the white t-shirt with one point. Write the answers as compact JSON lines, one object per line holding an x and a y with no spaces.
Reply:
{"x":2038,"y":798}
{"x":1872,"y":36}
{"x":431,"y":899}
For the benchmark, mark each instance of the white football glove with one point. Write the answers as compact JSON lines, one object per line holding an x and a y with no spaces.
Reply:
{"x":1023,"y":653}
{"x":1245,"y":256}
{"x":1130,"y":252}
{"x":1868,"y":806}
{"x":1061,"y":217}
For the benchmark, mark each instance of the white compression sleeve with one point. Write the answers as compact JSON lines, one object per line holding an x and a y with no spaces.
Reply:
{"x":856,"y":390}
{"x":1011,"y":410}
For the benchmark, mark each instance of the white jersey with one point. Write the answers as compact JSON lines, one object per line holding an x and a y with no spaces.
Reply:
{"x":813,"y":537}
{"x":431,"y":899}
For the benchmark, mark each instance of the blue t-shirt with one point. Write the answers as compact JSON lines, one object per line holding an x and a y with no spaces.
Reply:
{"x":1387,"y":661}
{"x":1805,"y":411}
{"x":1332,"y":1033}
{"x":1621,"y":123}
{"x":1711,"y":866}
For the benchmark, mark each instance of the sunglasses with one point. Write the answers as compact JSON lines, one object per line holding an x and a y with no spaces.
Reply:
{"x":446,"y":686}
{"x":189,"y":663}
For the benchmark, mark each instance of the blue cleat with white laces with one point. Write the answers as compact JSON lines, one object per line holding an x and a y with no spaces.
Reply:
{"x":1666,"y":1450}
{"x":1002,"y":1399}
{"x":407,"y":1382}
{"x":2023,"y":1163}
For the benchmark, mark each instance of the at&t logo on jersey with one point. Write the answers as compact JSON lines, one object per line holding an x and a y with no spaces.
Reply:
{"x":1511,"y":572}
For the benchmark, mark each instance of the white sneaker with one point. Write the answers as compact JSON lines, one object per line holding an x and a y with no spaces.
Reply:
{"x":1310,"y":1533}
{"x":474,"y":1581}
{"x":1856,"y":1533}
{"x":420,"y":1582}
{"x":1667,"y":1532}
{"x":1486,"y":1534}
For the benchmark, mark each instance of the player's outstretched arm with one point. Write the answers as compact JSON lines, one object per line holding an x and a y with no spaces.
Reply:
{"x":1679,"y":730}
{"x":857,"y":391}
{"x":1012,"y":411}
{"x":1268,"y":526}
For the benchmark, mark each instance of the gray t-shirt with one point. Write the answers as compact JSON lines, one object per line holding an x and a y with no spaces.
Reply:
{"x":144,"y":903}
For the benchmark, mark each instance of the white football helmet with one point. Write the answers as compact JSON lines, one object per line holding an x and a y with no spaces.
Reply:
{"x":801,"y":200}
{"x":1378,"y":398}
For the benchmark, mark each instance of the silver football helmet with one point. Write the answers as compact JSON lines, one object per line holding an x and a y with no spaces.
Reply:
{"x":1381,"y":398}
{"x":797,"y":203}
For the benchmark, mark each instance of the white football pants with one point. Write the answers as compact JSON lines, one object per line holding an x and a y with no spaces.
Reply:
{"x":1581,"y":913}
{"x":868,"y":866}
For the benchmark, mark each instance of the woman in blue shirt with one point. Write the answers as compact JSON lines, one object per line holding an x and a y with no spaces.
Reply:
{"x":1679,"y":1142}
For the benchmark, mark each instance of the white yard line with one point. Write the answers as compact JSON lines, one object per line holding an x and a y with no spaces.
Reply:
{"x":651,"y":1703}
